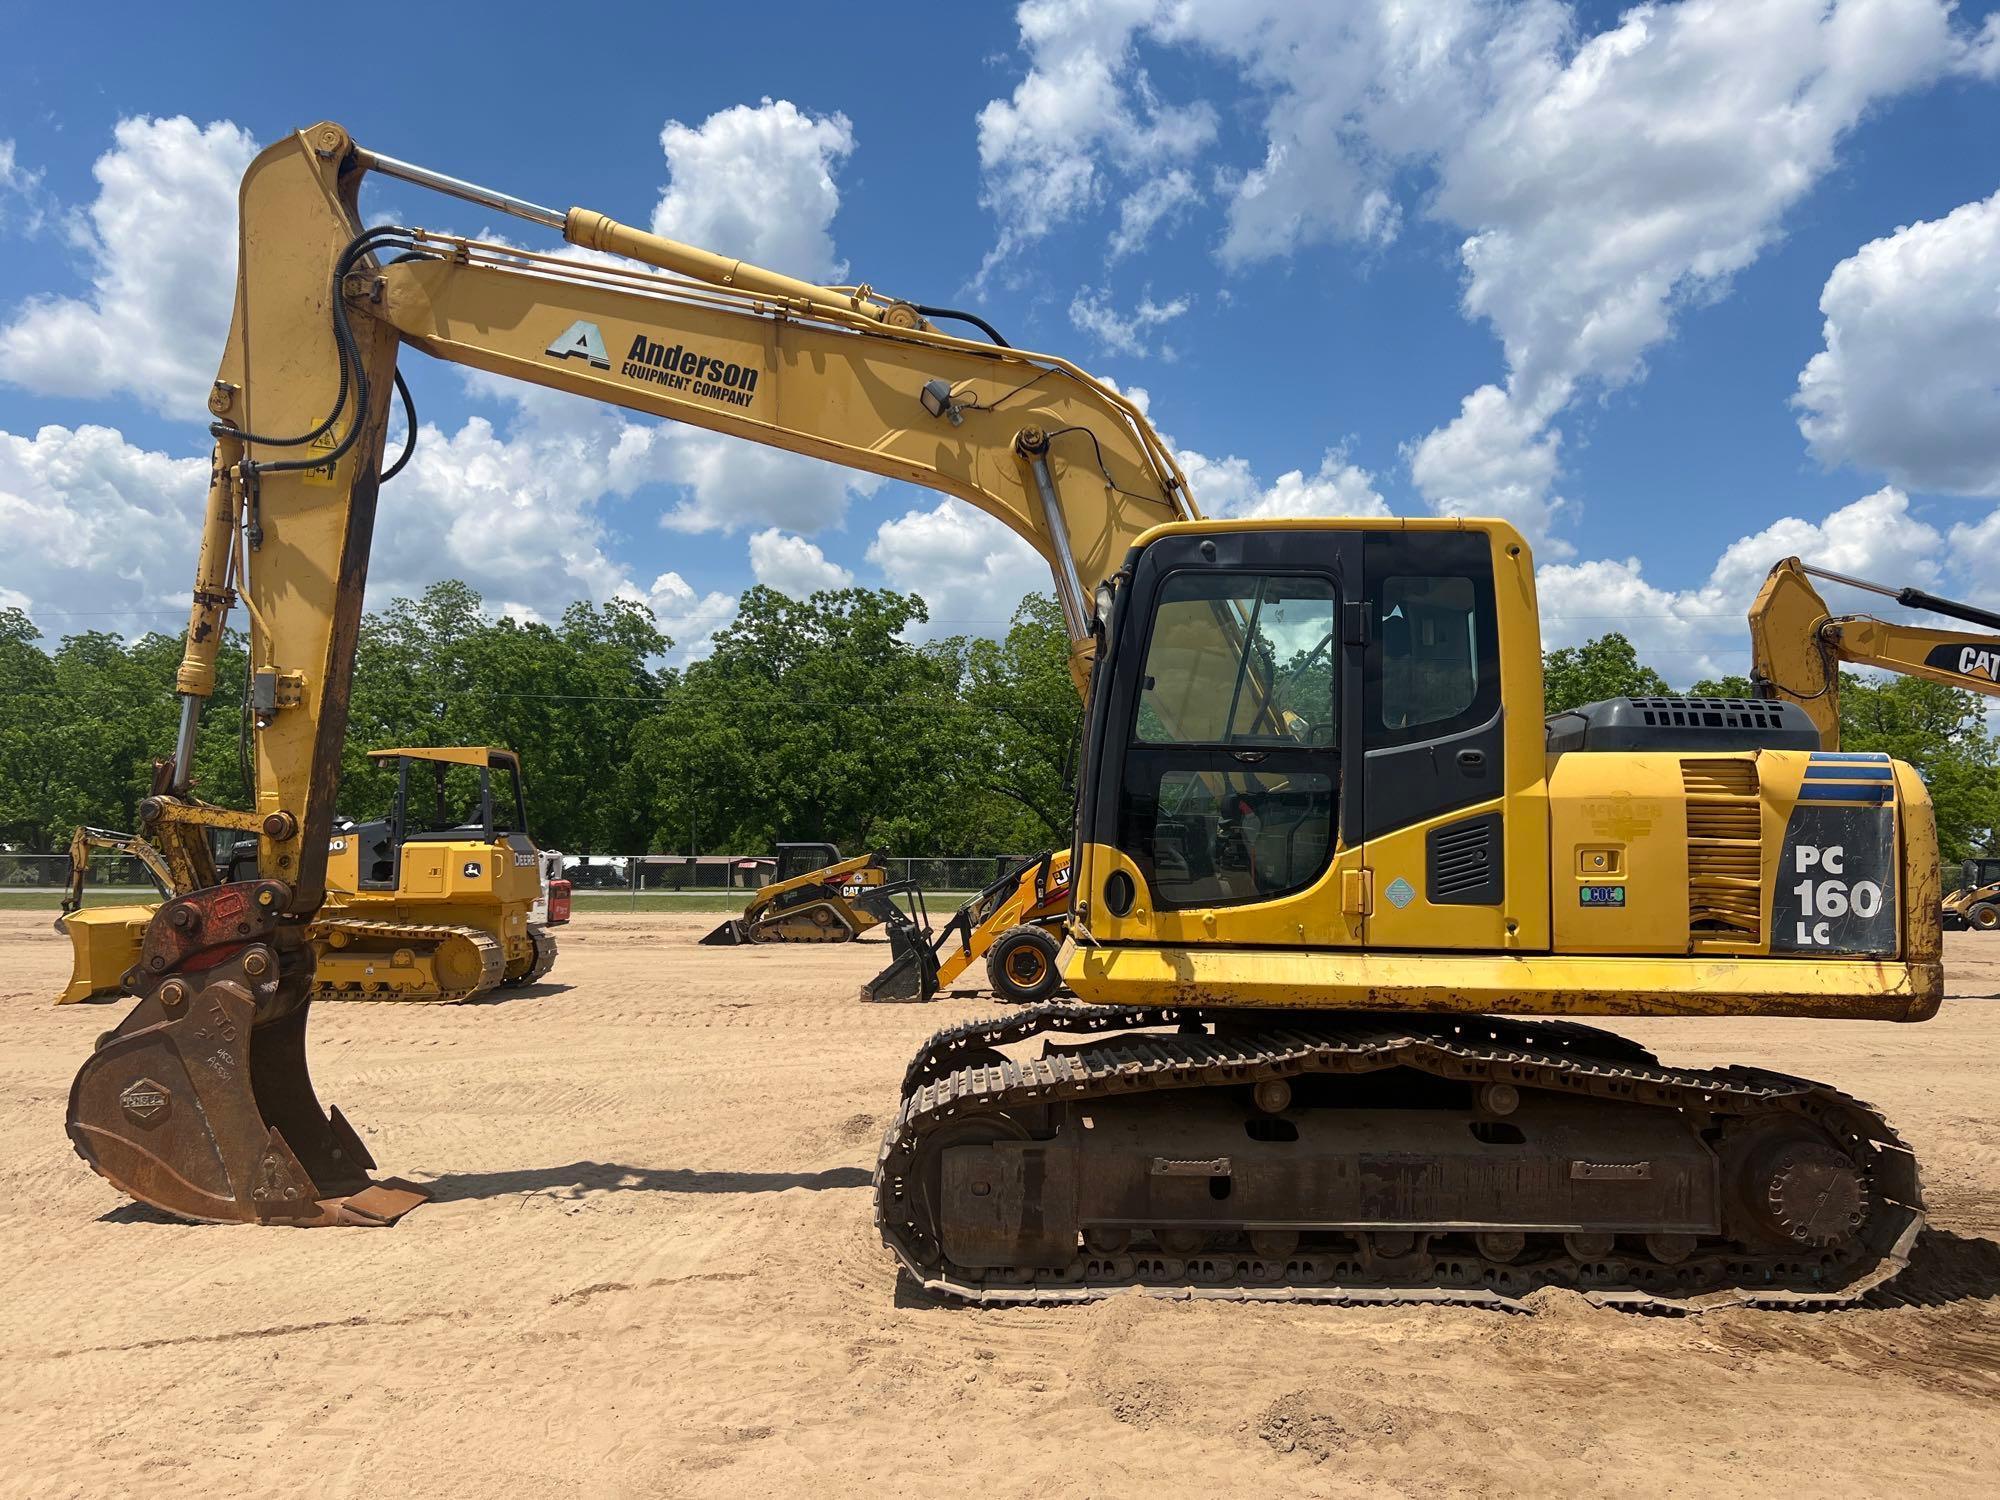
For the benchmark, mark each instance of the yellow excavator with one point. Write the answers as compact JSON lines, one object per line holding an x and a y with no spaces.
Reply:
{"x":1017,"y":924}
{"x":1342,"y":900}
{"x":1798,"y":647}
{"x":816,"y":897}
{"x":432,"y":903}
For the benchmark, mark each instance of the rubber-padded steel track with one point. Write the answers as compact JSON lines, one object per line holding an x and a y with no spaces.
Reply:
{"x":959,"y":1076}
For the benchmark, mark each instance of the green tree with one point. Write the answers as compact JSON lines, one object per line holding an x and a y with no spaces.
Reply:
{"x":1020,"y":733}
{"x":567,"y":698}
{"x":1607,"y":667}
{"x":1942,"y":732}
{"x":812,"y":719}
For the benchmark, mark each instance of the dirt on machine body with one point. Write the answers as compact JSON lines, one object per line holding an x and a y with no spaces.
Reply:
{"x":1340,"y":894}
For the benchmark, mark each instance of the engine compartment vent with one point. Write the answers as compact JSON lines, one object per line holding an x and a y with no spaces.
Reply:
{"x":1725,"y":850}
{"x":1463,"y":864}
{"x":1687,"y":724}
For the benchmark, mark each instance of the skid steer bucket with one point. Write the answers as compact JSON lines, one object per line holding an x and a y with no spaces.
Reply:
{"x":199,"y":1102}
{"x":729,"y":934}
{"x":104,"y":945}
{"x":912,"y":972}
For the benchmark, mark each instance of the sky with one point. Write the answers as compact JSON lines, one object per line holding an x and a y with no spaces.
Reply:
{"x":1679,"y":289}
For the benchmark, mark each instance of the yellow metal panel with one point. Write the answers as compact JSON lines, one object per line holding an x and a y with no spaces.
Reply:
{"x":1418,"y":924}
{"x":1630,"y":807}
{"x":1505,"y":984}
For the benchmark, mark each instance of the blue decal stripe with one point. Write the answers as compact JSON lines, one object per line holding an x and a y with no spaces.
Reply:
{"x":1847,"y":756}
{"x":1849,"y":773}
{"x":1826,"y":792}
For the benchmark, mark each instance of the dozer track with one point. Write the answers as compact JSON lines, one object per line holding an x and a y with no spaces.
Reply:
{"x":544,"y":960}
{"x":475,"y":959}
{"x":1368,"y":1158}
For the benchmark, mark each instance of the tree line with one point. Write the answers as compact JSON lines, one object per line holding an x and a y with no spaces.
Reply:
{"x":812,"y":718}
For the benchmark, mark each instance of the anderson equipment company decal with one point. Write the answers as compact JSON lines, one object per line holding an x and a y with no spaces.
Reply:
{"x":1837,"y":871}
{"x":673,"y":366}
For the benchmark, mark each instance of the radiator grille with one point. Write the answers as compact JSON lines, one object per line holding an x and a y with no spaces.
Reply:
{"x":1725,"y":850}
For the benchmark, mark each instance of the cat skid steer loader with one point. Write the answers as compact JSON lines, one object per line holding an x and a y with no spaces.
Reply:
{"x":817,"y":897}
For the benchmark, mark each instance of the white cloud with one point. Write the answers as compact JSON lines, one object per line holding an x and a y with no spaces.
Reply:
{"x":1158,"y":199}
{"x":1909,"y":380}
{"x":1691,"y":633}
{"x":1494,"y":459}
{"x":1227,"y":487}
{"x":160,"y":239}
{"x":1979,"y":56}
{"x":20,"y":192}
{"x":691,"y":619}
{"x":1084,"y":96}
{"x":756,"y":182}
{"x":794,"y":566}
{"x":1118,"y":333}
{"x":969,"y":568}
{"x":1600,"y":180}
{"x":99,"y":531}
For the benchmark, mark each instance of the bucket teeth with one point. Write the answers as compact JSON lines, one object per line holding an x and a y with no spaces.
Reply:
{"x":199,"y":1102}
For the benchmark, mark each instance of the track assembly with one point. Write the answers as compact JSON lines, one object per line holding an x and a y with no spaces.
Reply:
{"x":1365,"y":1158}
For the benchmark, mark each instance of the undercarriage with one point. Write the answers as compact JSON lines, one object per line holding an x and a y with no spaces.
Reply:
{"x":1364,"y":1158}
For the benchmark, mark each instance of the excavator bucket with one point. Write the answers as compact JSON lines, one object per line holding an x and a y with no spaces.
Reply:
{"x":104,"y":945}
{"x":199,"y":1102}
{"x":729,"y":934}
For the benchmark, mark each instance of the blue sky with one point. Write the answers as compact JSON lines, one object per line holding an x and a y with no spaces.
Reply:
{"x":1564,"y":264}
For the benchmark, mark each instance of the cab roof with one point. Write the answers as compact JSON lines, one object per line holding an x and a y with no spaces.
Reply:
{"x":455,"y":755}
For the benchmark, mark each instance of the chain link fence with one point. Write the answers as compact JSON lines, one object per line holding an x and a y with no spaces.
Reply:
{"x":116,"y":874}
{"x":40,"y":879}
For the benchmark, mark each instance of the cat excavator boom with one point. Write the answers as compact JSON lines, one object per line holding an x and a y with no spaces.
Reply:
{"x":1326,"y":850}
{"x":1798,"y":645}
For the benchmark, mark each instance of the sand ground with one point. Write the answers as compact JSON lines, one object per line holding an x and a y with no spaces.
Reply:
{"x":649,"y":1270}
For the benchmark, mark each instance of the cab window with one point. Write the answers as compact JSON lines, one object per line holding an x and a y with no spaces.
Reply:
{"x":1230,"y":773}
{"x":1240,"y":660}
{"x":1430,"y":650}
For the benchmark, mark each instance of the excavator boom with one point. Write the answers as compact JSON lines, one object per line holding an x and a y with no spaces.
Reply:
{"x":1798,"y":645}
{"x":200,"y":1101}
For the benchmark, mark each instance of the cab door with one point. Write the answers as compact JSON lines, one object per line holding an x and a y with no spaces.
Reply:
{"x":1219,"y":788}
{"x":1432,"y":809}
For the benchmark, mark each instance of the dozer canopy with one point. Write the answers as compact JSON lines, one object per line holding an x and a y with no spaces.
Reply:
{"x":454,"y":755}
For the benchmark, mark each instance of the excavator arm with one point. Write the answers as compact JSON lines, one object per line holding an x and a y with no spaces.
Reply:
{"x":199,"y":1102}
{"x":1798,"y":645}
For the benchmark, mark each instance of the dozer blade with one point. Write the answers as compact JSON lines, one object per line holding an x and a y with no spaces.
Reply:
{"x":729,"y":934}
{"x":104,"y":945}
{"x":199,"y":1103}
